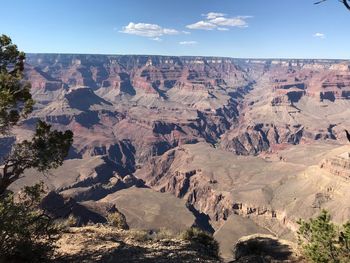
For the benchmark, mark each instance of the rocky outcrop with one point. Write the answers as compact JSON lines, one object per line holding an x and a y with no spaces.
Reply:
{"x":122,"y":155}
{"x":338,"y":165}
{"x":131,"y":108}
{"x":166,"y":174}
{"x":159,"y":102}
{"x":108,"y":244}
{"x":146,"y":126}
{"x":266,"y":248}
{"x":189,"y":185}
{"x":200,"y":193}
{"x":59,"y":207}
{"x":261,"y":137}
{"x":292,"y":92}
{"x":83,"y":98}
{"x":149,"y":73}
{"x":273,"y":193}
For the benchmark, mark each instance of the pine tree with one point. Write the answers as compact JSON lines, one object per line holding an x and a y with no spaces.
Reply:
{"x":322,"y":241}
{"x":26,"y":232}
{"x":48,"y":148}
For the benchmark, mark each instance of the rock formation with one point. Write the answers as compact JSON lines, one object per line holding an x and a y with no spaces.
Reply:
{"x":338,"y":165}
{"x":211,"y":138}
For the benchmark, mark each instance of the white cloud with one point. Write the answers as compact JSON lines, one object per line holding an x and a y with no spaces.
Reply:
{"x":157,"y":39}
{"x":220,"y":22}
{"x":188,"y":43}
{"x":202,"y":25}
{"x":319,"y":35}
{"x":212,"y":15}
{"x":223,"y":29}
{"x":233,"y":22}
{"x":148,"y":30}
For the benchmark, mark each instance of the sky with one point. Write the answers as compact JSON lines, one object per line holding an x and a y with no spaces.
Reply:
{"x":227,"y":28}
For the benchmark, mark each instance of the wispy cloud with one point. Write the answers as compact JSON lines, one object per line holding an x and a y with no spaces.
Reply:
{"x":223,"y":29}
{"x":152,"y":31}
{"x":202,"y":25}
{"x":188,"y":43}
{"x":212,"y":15}
{"x":219,"y":21}
{"x":319,"y":35}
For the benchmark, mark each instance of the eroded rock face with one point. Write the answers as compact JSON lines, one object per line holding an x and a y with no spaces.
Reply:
{"x":338,"y":165}
{"x":223,"y":135}
{"x":134,"y":108}
{"x":266,"y":248}
{"x":274,"y":193}
{"x":131,"y":108}
{"x":155,"y":103}
{"x":262,"y":137}
{"x":59,"y":207}
{"x":291,"y":104}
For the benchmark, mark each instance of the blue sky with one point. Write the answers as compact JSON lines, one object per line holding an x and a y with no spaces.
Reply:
{"x":232,"y":28}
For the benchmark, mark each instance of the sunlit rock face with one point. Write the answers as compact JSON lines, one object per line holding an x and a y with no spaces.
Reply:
{"x":155,"y":103}
{"x":214,"y":138}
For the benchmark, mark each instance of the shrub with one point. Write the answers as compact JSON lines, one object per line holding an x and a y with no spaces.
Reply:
{"x":118,"y":220}
{"x":202,"y":239}
{"x":25,"y":230}
{"x":27,"y":234}
{"x":164,"y":233}
{"x":64,"y":224}
{"x":140,"y":235}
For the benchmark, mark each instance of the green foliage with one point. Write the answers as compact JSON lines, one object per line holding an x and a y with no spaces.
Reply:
{"x":48,"y":148}
{"x":344,"y":242}
{"x":15,"y":98}
{"x":27,"y":234}
{"x":25,"y":231}
{"x":117,"y":219}
{"x":322,"y":241}
{"x":202,"y":239}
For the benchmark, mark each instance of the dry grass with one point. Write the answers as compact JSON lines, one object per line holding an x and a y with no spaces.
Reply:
{"x":117,"y":220}
{"x":101,"y":243}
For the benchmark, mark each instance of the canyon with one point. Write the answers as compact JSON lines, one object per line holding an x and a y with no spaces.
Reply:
{"x":233,"y":146}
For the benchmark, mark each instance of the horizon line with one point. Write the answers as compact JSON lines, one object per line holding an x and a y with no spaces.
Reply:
{"x":189,"y":56}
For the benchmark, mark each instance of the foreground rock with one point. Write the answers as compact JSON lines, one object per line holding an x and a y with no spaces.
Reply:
{"x":266,"y":248}
{"x":232,"y":231}
{"x":104,"y":244}
{"x":100,"y":243}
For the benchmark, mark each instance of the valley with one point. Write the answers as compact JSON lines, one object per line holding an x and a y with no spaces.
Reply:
{"x":233,"y":146}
